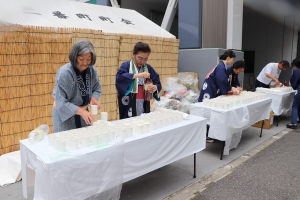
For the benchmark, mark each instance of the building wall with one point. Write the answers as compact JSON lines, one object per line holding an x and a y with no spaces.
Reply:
{"x":214,"y":24}
{"x":266,"y":38}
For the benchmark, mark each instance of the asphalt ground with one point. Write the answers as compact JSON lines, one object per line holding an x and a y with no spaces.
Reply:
{"x":273,"y":173}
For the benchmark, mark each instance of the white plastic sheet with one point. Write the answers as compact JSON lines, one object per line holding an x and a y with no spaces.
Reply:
{"x":64,"y":13}
{"x":227,"y":125}
{"x":281,"y":102}
{"x":88,"y":174}
{"x":10,"y":168}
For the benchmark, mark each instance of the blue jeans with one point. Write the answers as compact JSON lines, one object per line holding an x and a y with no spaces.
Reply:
{"x":295,"y":110}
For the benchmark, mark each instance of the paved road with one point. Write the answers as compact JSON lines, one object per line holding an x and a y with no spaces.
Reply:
{"x":273,"y":173}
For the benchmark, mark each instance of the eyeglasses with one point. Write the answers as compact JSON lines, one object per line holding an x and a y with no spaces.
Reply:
{"x":141,"y":58}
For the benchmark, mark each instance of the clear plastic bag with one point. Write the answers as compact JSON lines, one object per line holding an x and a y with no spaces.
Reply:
{"x":38,"y":133}
{"x":174,"y":90}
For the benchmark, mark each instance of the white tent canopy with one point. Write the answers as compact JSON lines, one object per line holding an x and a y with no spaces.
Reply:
{"x":64,"y":13}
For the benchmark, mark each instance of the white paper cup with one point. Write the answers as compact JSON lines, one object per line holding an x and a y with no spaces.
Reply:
{"x":104,"y":116}
{"x":51,"y":138}
{"x":138,"y":128}
{"x":152,"y":125}
{"x":146,"y":126}
{"x":122,"y":133}
{"x":61,"y":145}
{"x":95,"y":139}
{"x":94,"y":109}
{"x":73,"y":143}
{"x":111,"y":135}
{"x":104,"y":137}
{"x":85,"y":141}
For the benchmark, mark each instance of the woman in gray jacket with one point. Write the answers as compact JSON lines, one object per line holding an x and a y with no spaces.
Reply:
{"x":76,"y":85}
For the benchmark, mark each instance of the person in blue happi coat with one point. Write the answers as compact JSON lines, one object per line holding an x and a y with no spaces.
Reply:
{"x":217,"y":81}
{"x":295,"y":83}
{"x":238,"y":67}
{"x":130,"y":80}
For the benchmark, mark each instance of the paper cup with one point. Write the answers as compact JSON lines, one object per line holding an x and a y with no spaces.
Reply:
{"x":61,"y":145}
{"x":138,"y":129}
{"x":104,"y":116}
{"x":73,"y":143}
{"x":94,"y":109}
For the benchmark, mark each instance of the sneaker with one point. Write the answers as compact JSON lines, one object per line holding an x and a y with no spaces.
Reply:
{"x":209,"y":140}
{"x":292,"y":126}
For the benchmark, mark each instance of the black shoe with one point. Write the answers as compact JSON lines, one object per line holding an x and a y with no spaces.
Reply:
{"x":292,"y":126}
{"x":298,"y":122}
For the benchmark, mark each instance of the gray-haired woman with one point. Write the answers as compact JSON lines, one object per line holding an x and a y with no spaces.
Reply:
{"x":76,"y":85}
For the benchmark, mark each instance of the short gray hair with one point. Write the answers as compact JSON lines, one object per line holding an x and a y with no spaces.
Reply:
{"x":80,"y":48}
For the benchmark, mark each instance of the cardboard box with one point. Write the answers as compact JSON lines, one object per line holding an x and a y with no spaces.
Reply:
{"x":268,"y":123}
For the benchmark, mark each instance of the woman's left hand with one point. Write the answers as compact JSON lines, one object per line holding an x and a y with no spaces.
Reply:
{"x":152,"y":88}
{"x":94,"y":101}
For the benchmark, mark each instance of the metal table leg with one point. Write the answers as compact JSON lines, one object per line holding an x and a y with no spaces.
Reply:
{"x":222,"y":150}
{"x":262,"y":125}
{"x":194,"y":165}
{"x":207,"y":129}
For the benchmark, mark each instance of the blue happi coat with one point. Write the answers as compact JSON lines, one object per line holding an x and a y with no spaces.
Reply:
{"x":216,"y":83}
{"x":233,"y":78}
{"x":295,"y":82}
{"x":123,"y":81}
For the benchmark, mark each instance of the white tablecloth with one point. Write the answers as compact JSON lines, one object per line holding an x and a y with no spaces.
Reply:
{"x":227,"y":125}
{"x":281,"y":101}
{"x":90,"y":172}
{"x":142,"y":154}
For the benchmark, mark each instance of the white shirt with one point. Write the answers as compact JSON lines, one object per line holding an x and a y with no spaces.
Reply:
{"x":271,"y":68}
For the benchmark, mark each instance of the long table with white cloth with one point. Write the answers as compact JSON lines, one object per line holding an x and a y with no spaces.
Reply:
{"x":100,"y":172}
{"x":227,"y":125}
{"x":281,"y":102}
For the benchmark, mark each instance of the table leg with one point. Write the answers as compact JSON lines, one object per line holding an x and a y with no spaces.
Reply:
{"x":221,"y":158}
{"x":194,"y":165}
{"x":277,"y":120}
{"x":207,"y":129}
{"x":262,"y":124}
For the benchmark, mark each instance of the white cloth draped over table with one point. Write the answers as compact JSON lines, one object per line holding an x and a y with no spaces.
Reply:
{"x":147,"y":152}
{"x":227,"y":125}
{"x":89,"y":174}
{"x":281,"y":102}
{"x":93,"y":171}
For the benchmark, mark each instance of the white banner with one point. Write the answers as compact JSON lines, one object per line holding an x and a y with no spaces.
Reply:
{"x":64,"y":13}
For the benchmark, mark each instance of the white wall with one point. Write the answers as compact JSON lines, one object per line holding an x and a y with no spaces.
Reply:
{"x":234,"y":24}
{"x":266,"y":38}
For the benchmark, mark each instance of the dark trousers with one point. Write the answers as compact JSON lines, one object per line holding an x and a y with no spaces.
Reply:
{"x":260,"y":84}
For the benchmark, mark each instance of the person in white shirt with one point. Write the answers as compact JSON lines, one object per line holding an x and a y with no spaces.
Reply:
{"x":271,"y":72}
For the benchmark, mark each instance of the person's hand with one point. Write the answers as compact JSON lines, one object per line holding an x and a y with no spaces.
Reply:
{"x":144,"y":75}
{"x":240,"y":89}
{"x":152,"y":89}
{"x":95,"y":102}
{"x":86,"y":115}
{"x":235,"y":91}
{"x":277,"y":82}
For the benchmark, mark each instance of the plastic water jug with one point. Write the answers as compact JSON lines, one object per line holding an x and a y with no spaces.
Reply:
{"x":38,"y":133}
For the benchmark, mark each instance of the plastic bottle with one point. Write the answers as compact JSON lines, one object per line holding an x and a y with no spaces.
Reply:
{"x":148,"y":83}
{"x":38,"y":133}
{"x":285,"y":84}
